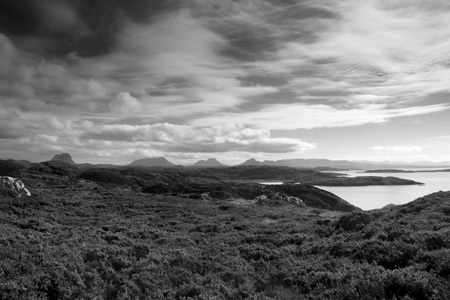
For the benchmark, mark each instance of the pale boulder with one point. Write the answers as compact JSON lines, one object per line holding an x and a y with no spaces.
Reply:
{"x":15,"y":185}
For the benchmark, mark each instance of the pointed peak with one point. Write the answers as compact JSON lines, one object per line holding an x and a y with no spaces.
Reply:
{"x":251,"y":162}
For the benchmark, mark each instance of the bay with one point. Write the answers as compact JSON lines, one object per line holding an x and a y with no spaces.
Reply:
{"x":373,"y":197}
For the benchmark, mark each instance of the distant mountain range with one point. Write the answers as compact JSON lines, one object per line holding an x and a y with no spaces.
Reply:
{"x":317,"y":164}
{"x":325,"y":164}
{"x":211,"y":162}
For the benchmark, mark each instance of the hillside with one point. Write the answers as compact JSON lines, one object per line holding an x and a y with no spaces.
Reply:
{"x":97,"y":241}
{"x":10,"y":167}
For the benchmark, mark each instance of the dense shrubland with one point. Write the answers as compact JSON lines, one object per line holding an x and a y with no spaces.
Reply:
{"x":88,"y":241}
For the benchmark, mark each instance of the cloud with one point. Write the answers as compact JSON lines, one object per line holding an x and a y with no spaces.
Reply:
{"x":178,"y":57}
{"x":7,"y":53}
{"x":58,"y":15}
{"x":124,"y":103}
{"x":375,"y":51}
{"x":15,"y":123}
{"x":77,"y":68}
{"x":182,"y":138}
{"x":397,"y":148}
{"x":25,"y":81}
{"x":303,"y":116}
{"x":10,"y":124}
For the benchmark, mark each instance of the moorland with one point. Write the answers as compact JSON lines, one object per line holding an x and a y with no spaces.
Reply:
{"x":151,"y":233}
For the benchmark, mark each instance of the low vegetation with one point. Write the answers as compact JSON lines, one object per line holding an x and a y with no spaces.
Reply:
{"x":85,"y":240}
{"x":141,"y":234}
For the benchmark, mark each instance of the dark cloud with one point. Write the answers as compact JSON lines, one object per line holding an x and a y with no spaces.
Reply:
{"x":257,"y":29}
{"x":18,"y":17}
{"x":88,"y":27}
{"x":253,"y":29}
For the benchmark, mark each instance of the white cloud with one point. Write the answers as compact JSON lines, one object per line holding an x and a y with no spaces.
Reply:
{"x":376,"y":51}
{"x":124,"y":103}
{"x":182,"y":138}
{"x":298,"y":116}
{"x":177,"y":57}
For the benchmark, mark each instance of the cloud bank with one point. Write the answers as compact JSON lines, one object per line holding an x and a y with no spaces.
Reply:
{"x":214,"y":76}
{"x":182,"y":138}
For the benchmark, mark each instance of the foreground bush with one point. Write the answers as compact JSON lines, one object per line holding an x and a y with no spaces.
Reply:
{"x":95,"y":242}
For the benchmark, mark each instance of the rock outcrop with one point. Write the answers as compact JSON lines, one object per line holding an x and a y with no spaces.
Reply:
{"x":280,"y":197}
{"x":15,"y":186}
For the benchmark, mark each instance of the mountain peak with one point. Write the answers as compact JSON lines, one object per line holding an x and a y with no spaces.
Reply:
{"x":251,"y":162}
{"x":210,"y":162}
{"x":65,"y":157}
{"x":152,"y":162}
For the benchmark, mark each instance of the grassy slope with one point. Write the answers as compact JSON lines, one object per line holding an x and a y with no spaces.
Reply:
{"x":87,"y":241}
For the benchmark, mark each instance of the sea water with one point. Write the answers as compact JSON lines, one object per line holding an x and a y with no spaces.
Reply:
{"x":377,"y":196}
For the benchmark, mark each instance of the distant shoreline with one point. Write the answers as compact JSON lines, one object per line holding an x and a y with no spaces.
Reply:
{"x":404,"y":171}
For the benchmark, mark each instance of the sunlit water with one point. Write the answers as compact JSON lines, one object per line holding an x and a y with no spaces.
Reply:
{"x":372,"y":197}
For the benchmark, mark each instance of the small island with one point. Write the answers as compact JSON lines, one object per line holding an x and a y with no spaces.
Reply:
{"x":388,"y":171}
{"x":366,"y":181}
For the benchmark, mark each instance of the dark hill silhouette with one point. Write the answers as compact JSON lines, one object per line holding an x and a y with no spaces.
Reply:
{"x":107,"y":176}
{"x":152,"y":162}
{"x":309,"y":176}
{"x":10,"y":167}
{"x":60,"y":167}
{"x":65,"y":157}
{"x":251,"y":162}
{"x":182,"y":176}
{"x":211,"y":162}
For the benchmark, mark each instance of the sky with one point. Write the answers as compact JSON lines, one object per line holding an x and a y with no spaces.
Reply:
{"x":119,"y":80}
